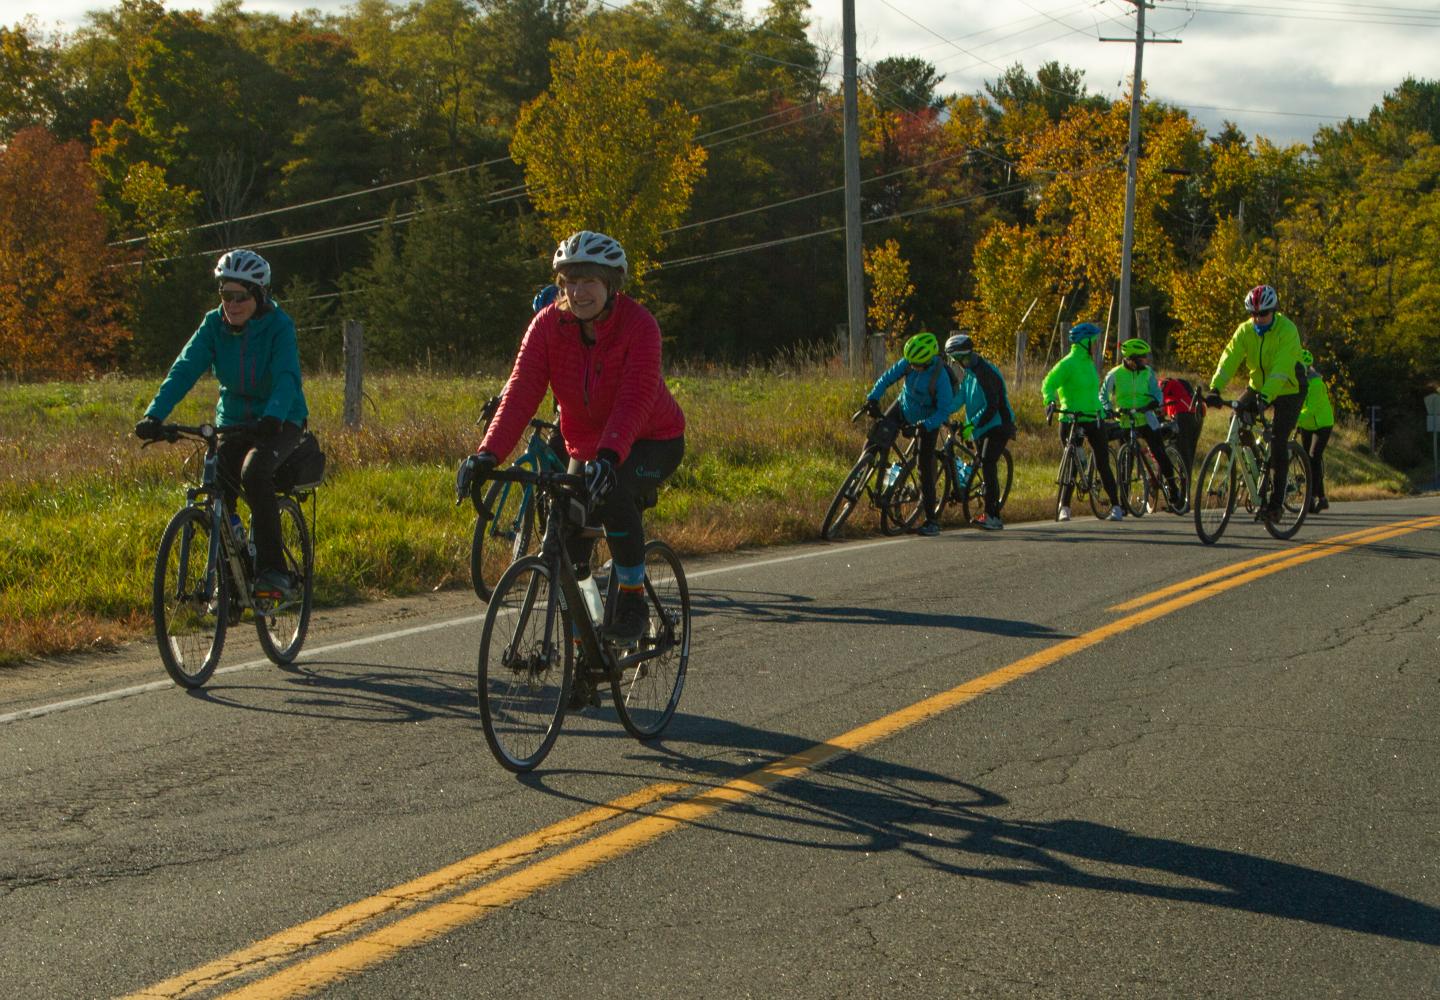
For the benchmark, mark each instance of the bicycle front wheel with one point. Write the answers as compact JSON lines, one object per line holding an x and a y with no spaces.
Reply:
{"x":1065,"y":478}
{"x":647,"y":692}
{"x":1215,"y":493}
{"x":526,"y":663}
{"x":282,"y":627}
{"x":1296,"y":503}
{"x":191,"y":598}
{"x":846,"y":497}
{"x":1134,"y":480}
{"x":504,"y":528}
{"x":1180,"y":503}
{"x":903,"y":505}
{"x":975,"y":495}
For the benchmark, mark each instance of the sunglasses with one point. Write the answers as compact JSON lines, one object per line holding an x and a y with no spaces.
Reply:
{"x":226,"y":295}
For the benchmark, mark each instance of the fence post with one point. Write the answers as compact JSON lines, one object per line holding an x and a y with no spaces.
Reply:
{"x":1142,"y":326}
{"x":354,"y":346}
{"x":1021,"y":341}
{"x":877,"y":354}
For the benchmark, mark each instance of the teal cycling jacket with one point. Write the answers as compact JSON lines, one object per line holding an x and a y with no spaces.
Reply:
{"x":258,"y":370}
{"x":926,"y":397}
{"x":983,"y":397}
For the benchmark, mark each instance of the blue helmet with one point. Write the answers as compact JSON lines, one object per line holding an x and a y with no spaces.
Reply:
{"x":544,"y":297}
{"x":1081,"y":332}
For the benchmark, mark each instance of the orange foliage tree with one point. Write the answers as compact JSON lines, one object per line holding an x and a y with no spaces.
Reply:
{"x":62,"y":300}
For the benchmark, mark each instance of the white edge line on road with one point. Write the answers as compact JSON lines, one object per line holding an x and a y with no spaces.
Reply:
{"x":310,"y":654}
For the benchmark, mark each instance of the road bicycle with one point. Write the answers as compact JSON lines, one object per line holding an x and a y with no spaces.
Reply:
{"x":886,"y":473}
{"x":1137,"y":472}
{"x":204,"y":572}
{"x":507,"y":519}
{"x":1237,"y":472}
{"x":960,"y":476}
{"x":1077,"y":468}
{"x":541,"y":649}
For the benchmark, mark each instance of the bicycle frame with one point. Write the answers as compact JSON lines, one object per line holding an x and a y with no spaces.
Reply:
{"x":209,"y":497}
{"x":1254,"y":464}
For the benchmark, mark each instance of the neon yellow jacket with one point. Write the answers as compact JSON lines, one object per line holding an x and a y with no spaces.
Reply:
{"x":1272,"y":359}
{"x":1317,"y":411}
{"x":1127,"y":390}
{"x":1074,"y":383}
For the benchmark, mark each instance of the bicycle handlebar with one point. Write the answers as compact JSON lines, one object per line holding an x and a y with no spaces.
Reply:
{"x":171,"y":433}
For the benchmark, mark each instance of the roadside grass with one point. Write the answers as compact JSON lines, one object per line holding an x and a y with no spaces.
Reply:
{"x":82,"y":505}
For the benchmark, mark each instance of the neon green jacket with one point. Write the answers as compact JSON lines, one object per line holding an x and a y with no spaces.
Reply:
{"x":1317,"y":411}
{"x":1272,"y":359}
{"x":1127,"y":390}
{"x":1074,"y":383}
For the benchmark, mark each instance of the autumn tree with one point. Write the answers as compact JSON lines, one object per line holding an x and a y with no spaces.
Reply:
{"x":887,"y":275}
{"x":62,"y":289}
{"x":639,"y":163}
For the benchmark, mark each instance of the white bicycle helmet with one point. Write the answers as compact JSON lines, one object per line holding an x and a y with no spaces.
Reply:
{"x":586,"y":247}
{"x":243,"y":265}
{"x":1261,"y":299}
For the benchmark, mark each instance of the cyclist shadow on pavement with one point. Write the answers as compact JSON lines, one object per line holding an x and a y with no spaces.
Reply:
{"x":856,"y":804}
{"x":349,"y":692}
{"x":775,"y":607}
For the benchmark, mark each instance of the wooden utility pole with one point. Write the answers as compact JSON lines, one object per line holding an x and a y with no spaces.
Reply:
{"x":1132,"y":163}
{"x":854,"y":243}
{"x":354,"y":347}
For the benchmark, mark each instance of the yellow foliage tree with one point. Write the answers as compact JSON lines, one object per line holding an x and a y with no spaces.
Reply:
{"x":1013,"y":268}
{"x":601,"y":150}
{"x":1206,"y":303}
{"x":888,"y":275}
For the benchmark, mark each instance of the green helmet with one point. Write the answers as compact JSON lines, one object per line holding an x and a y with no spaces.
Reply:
{"x":1307,"y":359}
{"x":921,"y":348}
{"x":1134,"y":348}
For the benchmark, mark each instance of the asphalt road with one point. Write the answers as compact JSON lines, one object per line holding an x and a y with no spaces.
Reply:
{"x":1227,"y":789}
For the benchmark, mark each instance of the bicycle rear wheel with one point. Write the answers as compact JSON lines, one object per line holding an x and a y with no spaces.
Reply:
{"x":1094,"y":487}
{"x":846,"y":497}
{"x":1215,"y":493}
{"x":190,"y":598}
{"x":1065,"y":477}
{"x":1296,"y":502}
{"x":282,"y":627}
{"x":504,"y":528}
{"x":646,"y":693}
{"x":975,"y":495}
{"x":1180,"y":504}
{"x":525,"y":668}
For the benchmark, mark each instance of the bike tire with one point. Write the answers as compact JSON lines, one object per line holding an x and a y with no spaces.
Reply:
{"x":1298,"y":490}
{"x":847,"y":496}
{"x":904,"y":505}
{"x":526,"y":665}
{"x":1095,"y":487}
{"x":1065,"y":477}
{"x":975,"y":494}
{"x":1215,"y":493}
{"x":1133,"y":480}
{"x":647,"y":693}
{"x":190,"y":599}
{"x":1182,"y":480}
{"x":504,"y":528}
{"x":282,"y":628}
{"x":946,"y":489}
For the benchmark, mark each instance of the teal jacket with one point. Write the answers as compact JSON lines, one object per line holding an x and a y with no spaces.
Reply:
{"x":926,"y":398}
{"x":1074,"y":383}
{"x":258,"y":370}
{"x":983,"y":397}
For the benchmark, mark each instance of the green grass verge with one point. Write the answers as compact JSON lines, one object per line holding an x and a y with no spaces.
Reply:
{"x":82,"y":506}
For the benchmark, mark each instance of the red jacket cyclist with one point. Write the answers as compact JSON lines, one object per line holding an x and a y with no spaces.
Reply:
{"x":598,"y":351}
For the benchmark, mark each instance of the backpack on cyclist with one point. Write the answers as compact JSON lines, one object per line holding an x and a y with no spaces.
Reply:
{"x":304,"y":468}
{"x":1179,"y":396}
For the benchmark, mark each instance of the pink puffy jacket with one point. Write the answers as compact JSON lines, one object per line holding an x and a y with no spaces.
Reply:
{"x":611,"y":394}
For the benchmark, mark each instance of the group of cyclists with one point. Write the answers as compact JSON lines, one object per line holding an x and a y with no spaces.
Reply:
{"x":1280,"y":376}
{"x":598,"y":352}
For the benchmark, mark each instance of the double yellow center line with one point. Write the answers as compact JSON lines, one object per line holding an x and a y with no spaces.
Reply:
{"x":415,"y":912}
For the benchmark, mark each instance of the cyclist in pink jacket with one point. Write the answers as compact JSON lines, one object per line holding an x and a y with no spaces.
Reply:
{"x":598,"y":351}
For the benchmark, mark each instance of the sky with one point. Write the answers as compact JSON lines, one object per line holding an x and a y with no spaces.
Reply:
{"x":1278,"y":68}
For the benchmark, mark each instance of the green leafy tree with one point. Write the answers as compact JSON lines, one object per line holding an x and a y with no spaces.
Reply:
{"x":636,"y":183}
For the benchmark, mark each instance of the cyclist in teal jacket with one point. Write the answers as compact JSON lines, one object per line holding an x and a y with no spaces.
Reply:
{"x":1074,"y":385}
{"x":248,"y":342}
{"x":925,"y":401}
{"x":989,"y":420}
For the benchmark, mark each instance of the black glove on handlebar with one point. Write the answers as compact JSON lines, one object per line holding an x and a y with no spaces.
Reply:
{"x":472,"y":473}
{"x":599,"y":479}
{"x":872,"y":407}
{"x":1212,"y":398}
{"x":149,"y":429}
